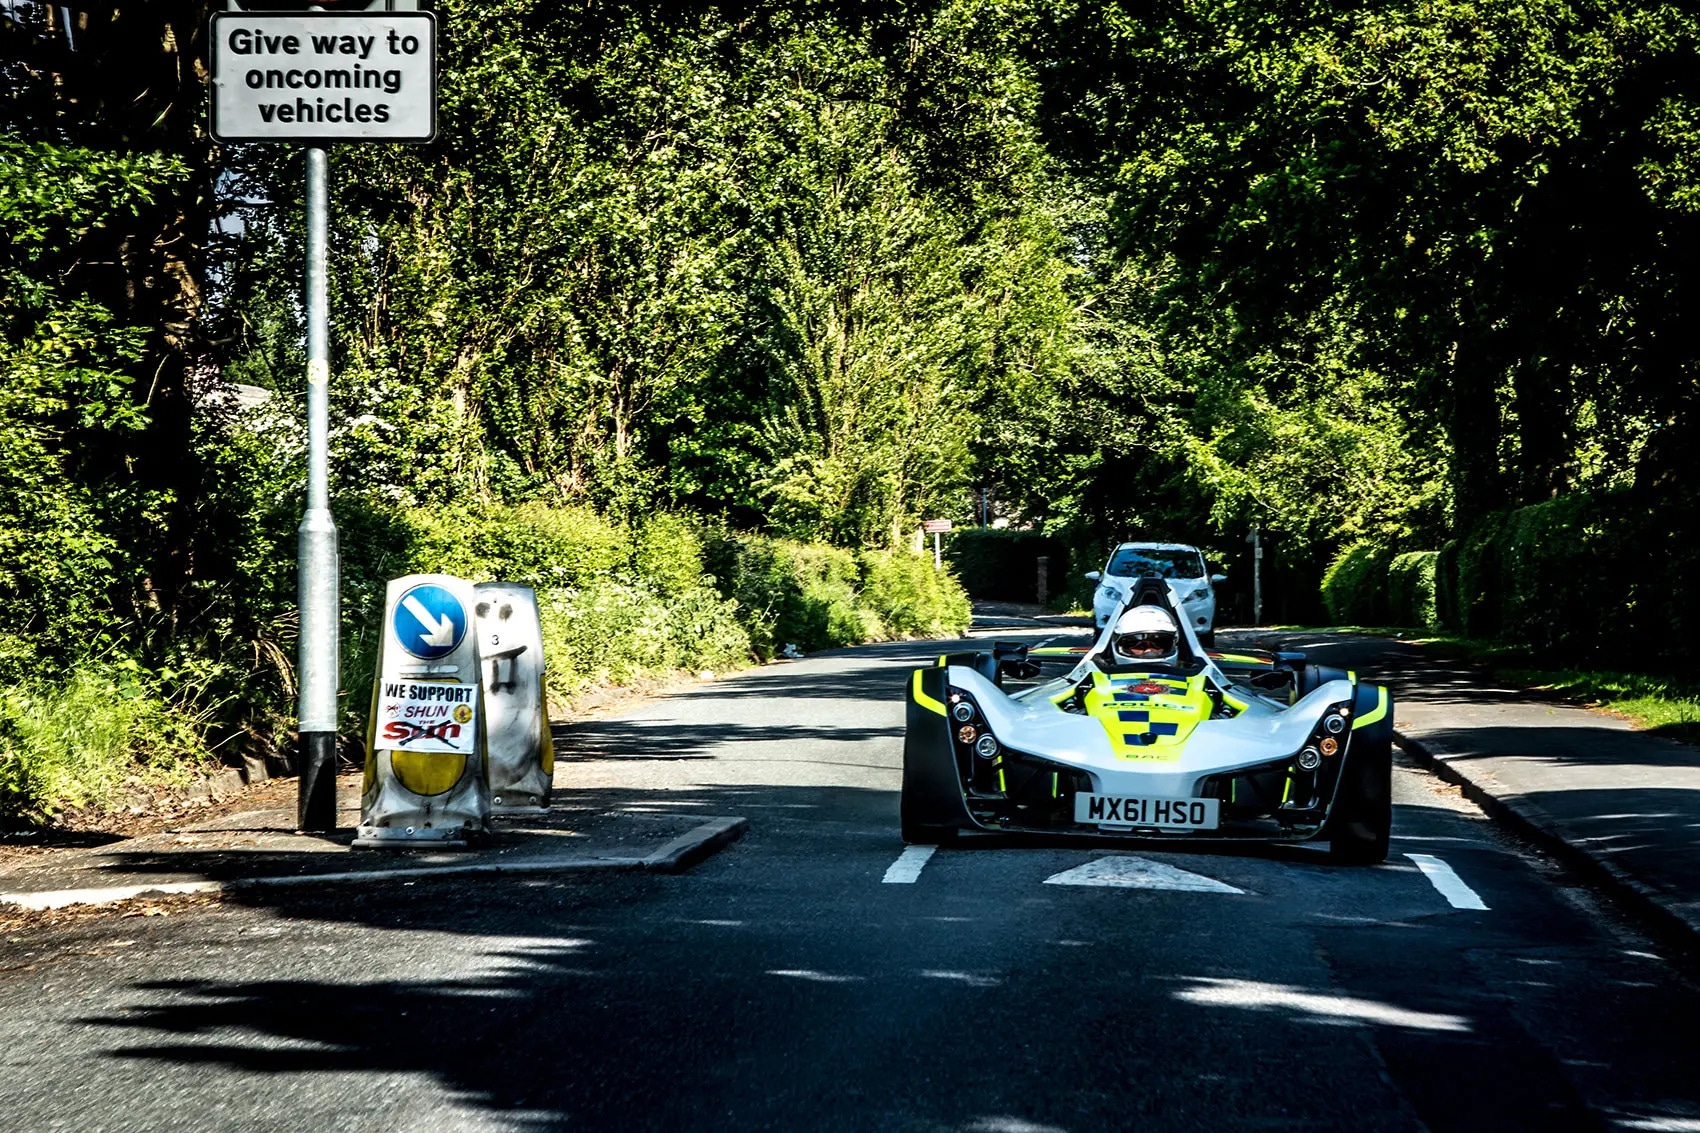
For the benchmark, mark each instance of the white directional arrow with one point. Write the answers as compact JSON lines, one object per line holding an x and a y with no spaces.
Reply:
{"x":436,"y":633}
{"x":1124,"y":871}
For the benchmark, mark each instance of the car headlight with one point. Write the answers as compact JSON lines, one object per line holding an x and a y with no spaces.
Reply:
{"x":1198,"y":595}
{"x":986,"y":747}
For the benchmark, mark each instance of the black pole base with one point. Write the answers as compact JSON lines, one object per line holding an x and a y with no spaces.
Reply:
{"x":316,"y":810}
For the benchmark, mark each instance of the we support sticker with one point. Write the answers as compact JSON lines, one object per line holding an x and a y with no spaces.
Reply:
{"x":428,"y":716}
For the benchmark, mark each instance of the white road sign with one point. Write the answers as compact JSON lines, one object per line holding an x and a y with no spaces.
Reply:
{"x":327,"y":77}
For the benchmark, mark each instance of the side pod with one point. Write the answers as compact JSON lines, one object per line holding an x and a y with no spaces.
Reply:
{"x":933,"y":805}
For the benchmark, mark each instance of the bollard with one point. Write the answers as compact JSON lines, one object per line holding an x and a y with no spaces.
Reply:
{"x":516,"y":716}
{"x":425,"y":780}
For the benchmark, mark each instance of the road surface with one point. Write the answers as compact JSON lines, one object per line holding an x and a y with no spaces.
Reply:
{"x":816,"y":975}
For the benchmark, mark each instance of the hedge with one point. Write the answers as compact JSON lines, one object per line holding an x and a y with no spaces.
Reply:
{"x":1410,"y":590}
{"x":1354,"y":588}
{"x":1003,"y":566}
{"x":1600,"y":576}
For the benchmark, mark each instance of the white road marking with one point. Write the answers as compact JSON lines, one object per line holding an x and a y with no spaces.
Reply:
{"x":908,"y":865}
{"x":1124,"y":871}
{"x":1450,"y":885}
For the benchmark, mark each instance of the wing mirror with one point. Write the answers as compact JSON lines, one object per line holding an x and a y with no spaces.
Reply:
{"x":1218,"y":579}
{"x":1012,"y":661}
{"x":1094,"y":576}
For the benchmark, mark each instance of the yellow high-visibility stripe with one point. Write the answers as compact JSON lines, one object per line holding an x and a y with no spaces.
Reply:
{"x":941,"y":663}
{"x":1374,"y":715}
{"x":923,"y":699}
{"x":1352,"y":675}
{"x":1287,"y":791}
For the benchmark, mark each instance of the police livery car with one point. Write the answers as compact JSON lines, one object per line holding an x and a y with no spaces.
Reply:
{"x":1147,"y":735}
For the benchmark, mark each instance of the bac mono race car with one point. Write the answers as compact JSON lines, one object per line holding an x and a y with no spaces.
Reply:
{"x":1205,"y":746}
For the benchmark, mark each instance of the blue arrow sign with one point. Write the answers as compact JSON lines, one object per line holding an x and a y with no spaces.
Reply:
{"x":429,"y":621}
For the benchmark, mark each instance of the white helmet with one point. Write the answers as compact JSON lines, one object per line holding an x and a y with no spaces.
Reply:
{"x":1145,"y":633}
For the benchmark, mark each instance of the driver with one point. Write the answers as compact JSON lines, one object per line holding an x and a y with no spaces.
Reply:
{"x":1145,"y":635}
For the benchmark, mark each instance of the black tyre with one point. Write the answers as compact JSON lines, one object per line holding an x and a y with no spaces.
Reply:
{"x":1362,"y":823}
{"x":918,"y":833}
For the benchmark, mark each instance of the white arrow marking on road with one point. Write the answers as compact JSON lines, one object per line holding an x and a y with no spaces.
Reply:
{"x":908,"y":865}
{"x":1445,"y":879}
{"x":1124,"y":871}
{"x":436,"y":633}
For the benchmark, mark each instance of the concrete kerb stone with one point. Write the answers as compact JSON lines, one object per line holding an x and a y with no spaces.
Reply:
{"x":1677,"y":926}
{"x":675,"y":857}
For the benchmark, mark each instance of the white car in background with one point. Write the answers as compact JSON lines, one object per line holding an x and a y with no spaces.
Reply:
{"x":1179,"y":563}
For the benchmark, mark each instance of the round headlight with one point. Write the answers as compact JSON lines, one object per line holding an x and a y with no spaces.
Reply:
{"x":1310,"y":759}
{"x":966,"y":734}
{"x":963,"y":711}
{"x":1329,"y":745}
{"x":1333,"y":724}
{"x":986,"y":747}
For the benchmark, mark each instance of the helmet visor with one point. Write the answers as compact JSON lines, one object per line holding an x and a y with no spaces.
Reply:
{"x":1144,"y":645}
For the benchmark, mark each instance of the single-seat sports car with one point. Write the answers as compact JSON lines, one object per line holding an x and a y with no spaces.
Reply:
{"x":1205,"y":746}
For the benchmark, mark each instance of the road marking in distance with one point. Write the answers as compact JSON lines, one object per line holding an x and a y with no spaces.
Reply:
{"x":1450,"y":885}
{"x":1124,"y":871}
{"x":908,"y":865}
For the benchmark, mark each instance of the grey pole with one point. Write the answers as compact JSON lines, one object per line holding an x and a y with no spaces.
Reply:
{"x":316,"y":549}
{"x":1257,"y":574}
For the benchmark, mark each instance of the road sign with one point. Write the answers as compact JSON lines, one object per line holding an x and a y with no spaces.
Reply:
{"x":934,"y":526}
{"x":324,"y":77}
{"x":429,"y":621}
{"x":425,"y":740}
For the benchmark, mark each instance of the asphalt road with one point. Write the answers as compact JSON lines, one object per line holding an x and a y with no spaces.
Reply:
{"x":787,"y":984}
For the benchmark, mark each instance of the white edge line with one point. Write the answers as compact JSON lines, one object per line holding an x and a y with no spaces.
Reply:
{"x":1446,"y":880}
{"x":908,"y":865}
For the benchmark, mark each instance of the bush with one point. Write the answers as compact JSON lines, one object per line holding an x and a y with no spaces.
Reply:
{"x":911,"y":597}
{"x":819,"y":597}
{"x":74,"y":742}
{"x":1003,"y":566}
{"x":1354,"y":588}
{"x":610,"y":632}
{"x":1411,"y":590}
{"x":1606,"y":576}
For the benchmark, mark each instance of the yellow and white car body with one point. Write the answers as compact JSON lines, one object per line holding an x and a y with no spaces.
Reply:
{"x":1213,"y":746}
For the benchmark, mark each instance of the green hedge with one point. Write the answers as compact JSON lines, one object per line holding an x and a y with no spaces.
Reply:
{"x":1354,"y":588}
{"x":1410,"y":590}
{"x":1003,"y":566}
{"x":671,"y":594}
{"x":818,"y":597}
{"x":1607,"y":575}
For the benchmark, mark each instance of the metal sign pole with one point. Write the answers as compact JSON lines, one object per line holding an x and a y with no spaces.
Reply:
{"x":321,"y":611}
{"x":1257,"y":574}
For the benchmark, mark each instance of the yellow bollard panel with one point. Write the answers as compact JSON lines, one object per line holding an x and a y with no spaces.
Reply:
{"x":426,"y":780}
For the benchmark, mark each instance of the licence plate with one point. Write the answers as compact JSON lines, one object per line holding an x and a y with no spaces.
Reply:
{"x":1164,"y":814}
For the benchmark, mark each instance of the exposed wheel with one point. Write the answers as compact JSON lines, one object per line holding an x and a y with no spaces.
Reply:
{"x":1363,"y":809}
{"x":918,"y":832}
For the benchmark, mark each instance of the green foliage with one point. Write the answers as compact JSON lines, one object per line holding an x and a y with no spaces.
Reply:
{"x":74,"y":741}
{"x":1411,"y":590}
{"x":1003,"y":565}
{"x":910,"y":597}
{"x":1355,"y":587}
{"x":1602,"y":576}
{"x":820,"y":597}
